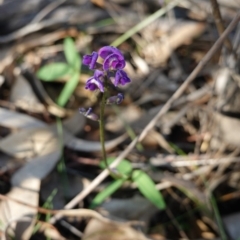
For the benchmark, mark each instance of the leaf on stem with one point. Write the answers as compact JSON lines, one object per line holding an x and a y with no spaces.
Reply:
{"x":71,"y":54}
{"x":53,"y":71}
{"x":124,"y":167}
{"x":147,"y":187}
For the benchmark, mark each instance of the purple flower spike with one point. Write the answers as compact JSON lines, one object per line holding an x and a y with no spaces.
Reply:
{"x":90,"y":60}
{"x":95,"y":82}
{"x":108,"y":50}
{"x":121,"y":78}
{"x":114,"y":61}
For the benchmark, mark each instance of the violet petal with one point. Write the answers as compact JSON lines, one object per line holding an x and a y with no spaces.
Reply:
{"x":121,"y":78}
{"x":108,"y":50}
{"x":114,"y":61}
{"x":90,"y":60}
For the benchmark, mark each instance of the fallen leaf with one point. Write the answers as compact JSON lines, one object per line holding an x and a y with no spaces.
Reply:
{"x":23,"y":96}
{"x":97,"y":230}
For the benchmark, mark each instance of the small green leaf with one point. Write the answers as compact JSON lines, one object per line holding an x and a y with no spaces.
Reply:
{"x":68,"y":89}
{"x":123,"y":167}
{"x":71,"y":53}
{"x":147,"y":187}
{"x":108,"y":191}
{"x":53,"y":71}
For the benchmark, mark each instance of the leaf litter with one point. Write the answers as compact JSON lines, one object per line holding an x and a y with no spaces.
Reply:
{"x":192,"y":154}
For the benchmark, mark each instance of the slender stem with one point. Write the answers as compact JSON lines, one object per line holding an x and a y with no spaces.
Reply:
{"x":102,"y":133}
{"x":101,"y":126}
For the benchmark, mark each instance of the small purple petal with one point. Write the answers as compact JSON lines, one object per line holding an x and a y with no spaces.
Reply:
{"x":98,"y":75}
{"x":89,"y":114}
{"x":114,"y":61}
{"x":120,"y":98}
{"x":108,"y":50}
{"x":90,"y":60}
{"x":82,"y":110}
{"x":89,"y":111}
{"x":93,"y":84}
{"x":115,"y":99}
{"x":93,"y":116}
{"x":121,"y":78}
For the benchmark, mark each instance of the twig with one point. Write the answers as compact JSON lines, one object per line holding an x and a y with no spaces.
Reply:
{"x":179,"y":161}
{"x":46,"y":10}
{"x":35,"y":25}
{"x":30,"y":28}
{"x":151,"y":124}
{"x":219,"y":22}
{"x":70,"y":212}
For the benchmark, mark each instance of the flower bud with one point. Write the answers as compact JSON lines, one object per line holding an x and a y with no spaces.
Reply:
{"x":89,"y":114}
{"x":115,"y":99}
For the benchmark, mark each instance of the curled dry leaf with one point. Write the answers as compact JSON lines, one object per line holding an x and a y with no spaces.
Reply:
{"x":23,"y":96}
{"x":11,"y":119}
{"x":172,"y":35}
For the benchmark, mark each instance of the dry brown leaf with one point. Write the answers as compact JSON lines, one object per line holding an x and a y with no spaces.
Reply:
{"x":29,"y":142}
{"x":12,"y":119}
{"x":14,"y":214}
{"x":98,"y":230}
{"x":157,"y":52}
{"x":23,"y":96}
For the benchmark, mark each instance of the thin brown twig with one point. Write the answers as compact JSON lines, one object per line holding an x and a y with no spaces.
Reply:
{"x":73,"y":212}
{"x":219,"y":23}
{"x":152,"y":123}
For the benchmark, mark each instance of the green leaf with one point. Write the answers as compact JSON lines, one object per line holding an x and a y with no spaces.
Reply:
{"x":71,"y":53}
{"x":68,"y":89}
{"x":147,"y":187}
{"x":123,"y":167}
{"x":108,"y":191}
{"x":53,"y":71}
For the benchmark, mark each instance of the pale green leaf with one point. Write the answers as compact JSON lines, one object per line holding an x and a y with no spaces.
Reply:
{"x":124,"y":167}
{"x":147,"y":187}
{"x":68,"y":89}
{"x":53,"y":71}
{"x":106,"y":192}
{"x":71,"y":54}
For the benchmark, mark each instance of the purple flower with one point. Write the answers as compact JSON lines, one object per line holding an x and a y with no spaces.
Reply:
{"x":113,"y":58}
{"x":89,"y":114}
{"x":121,"y":78}
{"x":90,"y":60}
{"x":114,"y":61}
{"x":108,"y":50}
{"x":95,"y":82}
{"x":115,"y":99}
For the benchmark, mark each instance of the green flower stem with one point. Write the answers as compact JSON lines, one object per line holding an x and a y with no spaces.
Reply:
{"x":102,"y":132}
{"x":101,"y":126}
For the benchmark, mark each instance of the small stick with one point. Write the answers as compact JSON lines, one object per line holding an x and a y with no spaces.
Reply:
{"x":219,"y":22}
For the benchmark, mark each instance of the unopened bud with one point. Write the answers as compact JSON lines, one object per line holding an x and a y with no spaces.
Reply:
{"x":115,"y":99}
{"x":89,"y":114}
